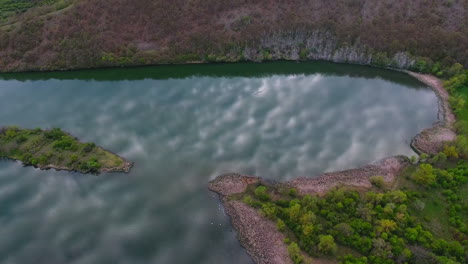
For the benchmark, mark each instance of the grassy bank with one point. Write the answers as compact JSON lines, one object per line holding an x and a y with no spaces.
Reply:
{"x":457,"y":86}
{"x":56,"y":149}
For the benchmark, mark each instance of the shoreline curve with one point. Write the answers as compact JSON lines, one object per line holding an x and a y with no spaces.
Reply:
{"x":259,"y":235}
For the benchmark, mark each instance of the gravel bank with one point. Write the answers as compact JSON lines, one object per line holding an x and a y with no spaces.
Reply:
{"x":261,"y":238}
{"x":258,"y":235}
{"x":432,"y":140}
{"x":388,"y":168}
{"x":231,"y":183}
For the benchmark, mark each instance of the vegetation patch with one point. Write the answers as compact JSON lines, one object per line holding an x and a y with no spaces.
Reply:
{"x":420,"y":220}
{"x":457,"y":86}
{"x":56,"y":149}
{"x":11,"y":7}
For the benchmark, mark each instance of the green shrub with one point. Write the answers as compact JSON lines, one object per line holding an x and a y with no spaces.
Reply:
{"x":303,"y":54}
{"x":423,"y":65}
{"x":457,"y":103}
{"x":295,"y":253}
{"x":54,"y":134}
{"x":34,"y":161}
{"x":455,"y":69}
{"x":10,"y":133}
{"x":88,"y":147}
{"x":73,"y":158}
{"x":424,"y":157}
{"x":43,"y":159}
{"x":451,"y":152}
{"x":267,"y":55}
{"x":327,"y":245}
{"x":280,"y":225}
{"x":261,"y":193}
{"x":36,"y":131}
{"x":439,"y":158}
{"x":26,"y":158}
{"x":21,"y":139}
{"x":456,"y":83}
{"x":61,"y":4}
{"x":461,"y":146}
{"x":462,"y":127}
{"x":93,"y":165}
{"x":293,"y":192}
{"x":350,"y":259}
{"x":66,"y":143}
{"x":425,"y":175}
{"x":248,"y":200}
{"x":381,"y":59}
{"x":269,"y":210}
{"x":378,"y":181}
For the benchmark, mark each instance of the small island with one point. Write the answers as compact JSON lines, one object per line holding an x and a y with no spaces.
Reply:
{"x":56,"y":149}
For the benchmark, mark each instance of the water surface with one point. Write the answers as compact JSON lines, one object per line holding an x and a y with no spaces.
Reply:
{"x":182,"y":126}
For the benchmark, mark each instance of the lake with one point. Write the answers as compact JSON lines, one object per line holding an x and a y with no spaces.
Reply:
{"x":183,"y":126}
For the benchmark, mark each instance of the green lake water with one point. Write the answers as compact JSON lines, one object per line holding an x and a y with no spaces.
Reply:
{"x":182,"y":126}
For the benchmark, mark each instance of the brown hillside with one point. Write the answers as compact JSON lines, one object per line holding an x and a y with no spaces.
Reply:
{"x":93,"y":33}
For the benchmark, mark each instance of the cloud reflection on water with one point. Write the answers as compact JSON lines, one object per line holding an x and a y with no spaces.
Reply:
{"x":181,"y":133}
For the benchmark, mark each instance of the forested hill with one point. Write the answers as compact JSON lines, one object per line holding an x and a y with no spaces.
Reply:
{"x":426,"y":35}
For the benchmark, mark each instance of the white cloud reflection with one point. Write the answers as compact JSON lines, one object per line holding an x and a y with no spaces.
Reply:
{"x":181,"y":133}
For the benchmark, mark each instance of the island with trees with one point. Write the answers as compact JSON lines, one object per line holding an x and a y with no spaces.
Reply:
{"x":55,"y":149}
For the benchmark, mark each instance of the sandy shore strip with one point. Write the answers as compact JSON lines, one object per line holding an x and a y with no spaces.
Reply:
{"x":388,"y":168}
{"x":445,"y":112}
{"x":432,"y":140}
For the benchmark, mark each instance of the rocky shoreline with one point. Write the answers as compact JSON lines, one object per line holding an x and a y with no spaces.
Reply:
{"x":432,"y":140}
{"x":125,"y":168}
{"x":388,"y":168}
{"x":260,"y":237}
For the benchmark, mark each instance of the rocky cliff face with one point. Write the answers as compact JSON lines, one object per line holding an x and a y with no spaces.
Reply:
{"x":321,"y":45}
